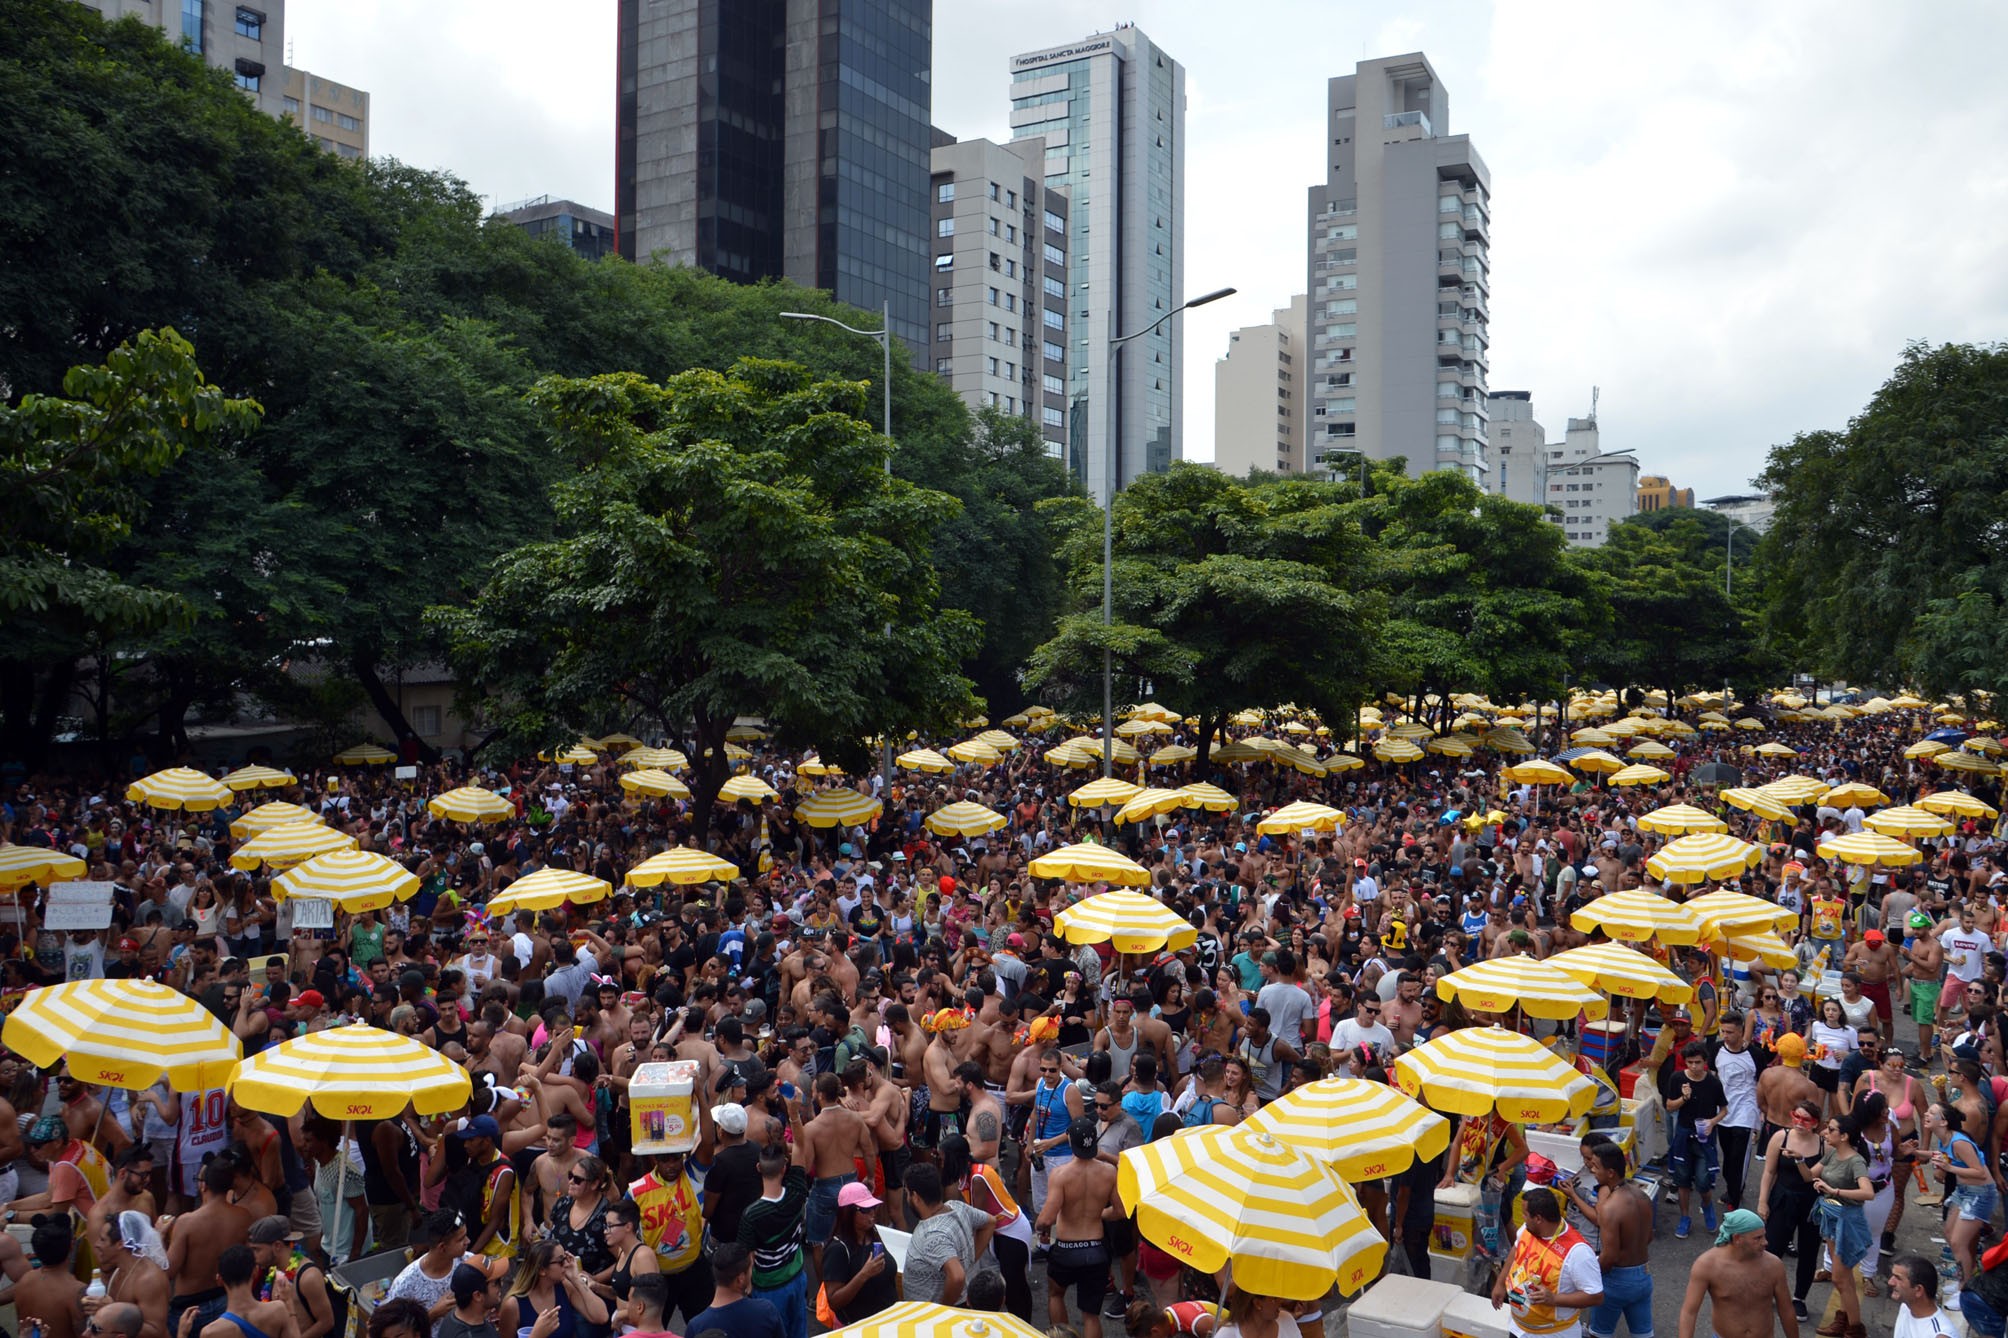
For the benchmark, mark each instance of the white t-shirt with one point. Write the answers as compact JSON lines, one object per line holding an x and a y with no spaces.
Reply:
{"x":1941,"y":1323}
{"x":1965,"y":953}
{"x":1737,"y":1070}
{"x":1350,"y":1033}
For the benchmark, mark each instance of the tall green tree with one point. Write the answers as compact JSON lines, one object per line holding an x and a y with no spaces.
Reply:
{"x":1672,"y":624}
{"x":1226,"y":593}
{"x":1886,"y":546}
{"x":728,"y":544}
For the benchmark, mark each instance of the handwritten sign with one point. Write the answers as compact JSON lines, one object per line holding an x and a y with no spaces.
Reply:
{"x":313,"y":913}
{"x":78,"y":905}
{"x":405,"y":773}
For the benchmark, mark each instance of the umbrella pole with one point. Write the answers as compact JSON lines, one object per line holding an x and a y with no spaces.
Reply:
{"x":342,"y":1189}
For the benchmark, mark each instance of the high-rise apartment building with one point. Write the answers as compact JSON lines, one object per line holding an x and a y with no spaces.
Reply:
{"x":587,"y":231}
{"x":1258,"y":396}
{"x":999,"y":274}
{"x":1398,"y":274}
{"x":1590,"y":488}
{"x":334,"y":115}
{"x":1519,"y":452}
{"x":781,"y":138}
{"x":1110,"y":109}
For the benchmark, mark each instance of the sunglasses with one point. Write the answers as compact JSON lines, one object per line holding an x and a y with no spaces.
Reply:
{"x":578,"y":1179}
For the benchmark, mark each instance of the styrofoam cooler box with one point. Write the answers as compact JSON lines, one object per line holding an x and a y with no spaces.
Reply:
{"x":1401,"y":1307}
{"x":1454,"y":1231}
{"x":661,"y":1107}
{"x":1561,"y":1149}
{"x":1470,"y":1316}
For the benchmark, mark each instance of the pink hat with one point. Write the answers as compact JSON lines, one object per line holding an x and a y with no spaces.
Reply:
{"x":855,"y":1195}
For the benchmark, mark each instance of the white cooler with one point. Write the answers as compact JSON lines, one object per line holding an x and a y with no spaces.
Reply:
{"x":1401,"y":1307}
{"x":1471,"y":1316}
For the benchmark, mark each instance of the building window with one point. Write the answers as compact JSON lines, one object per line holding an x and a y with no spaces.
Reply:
{"x":248,"y":82}
{"x":1010,"y":233}
{"x":293,"y":108}
{"x":996,"y":228}
{"x":1055,"y":288}
{"x":944,"y":297}
{"x":993,"y":297}
{"x":348,"y":122}
{"x":993,"y":365}
{"x":1010,"y":371}
{"x":251,"y":24}
{"x":1054,"y":385}
{"x":943,"y":227}
{"x":993,"y":331}
{"x":996,"y":191}
{"x":425,"y":720}
{"x":1051,"y":416}
{"x":347,"y":151}
{"x":943,"y":366}
{"x":1054,"y":223}
{"x":1055,"y":320}
{"x":1010,"y":336}
{"x":943,"y":332}
{"x":944,"y":263}
{"x":1055,"y":352}
{"x":1054,"y":255}
{"x":191,"y":25}
{"x":322,"y":114}
{"x":1010,"y":301}
{"x":945,"y":192}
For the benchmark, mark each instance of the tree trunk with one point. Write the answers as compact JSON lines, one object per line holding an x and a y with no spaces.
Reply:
{"x":709,"y":768}
{"x":1209,"y":726}
{"x":365,"y":670}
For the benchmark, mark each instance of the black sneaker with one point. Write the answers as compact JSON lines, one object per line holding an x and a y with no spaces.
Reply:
{"x":1115,"y":1305}
{"x":1799,"y":1309}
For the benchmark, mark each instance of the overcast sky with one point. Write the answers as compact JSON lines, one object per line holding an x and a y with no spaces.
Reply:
{"x":1730,"y":217}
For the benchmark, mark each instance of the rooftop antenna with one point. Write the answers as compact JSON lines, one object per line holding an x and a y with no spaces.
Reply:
{"x":1594,"y":392}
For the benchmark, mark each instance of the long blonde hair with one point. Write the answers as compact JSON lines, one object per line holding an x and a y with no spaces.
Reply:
{"x":530,"y":1265}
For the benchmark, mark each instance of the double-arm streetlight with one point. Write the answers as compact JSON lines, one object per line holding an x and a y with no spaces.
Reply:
{"x":1114,"y":463}
{"x":884,"y":337}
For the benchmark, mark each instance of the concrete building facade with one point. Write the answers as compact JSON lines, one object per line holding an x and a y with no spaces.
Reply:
{"x":781,"y":138}
{"x":1754,"y":509}
{"x":587,"y":231}
{"x":1590,"y":488}
{"x":1258,"y":396}
{"x":997,"y":271}
{"x":1657,"y":493}
{"x":336,"y":116}
{"x":1110,"y":110}
{"x":1398,"y":274}
{"x":1519,"y":451}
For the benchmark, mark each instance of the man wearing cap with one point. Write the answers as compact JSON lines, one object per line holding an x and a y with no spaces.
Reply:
{"x":1875,"y":960}
{"x":1733,"y":1275}
{"x":440,"y":1240}
{"x":1924,"y":968}
{"x":318,"y":1309}
{"x":491,"y":1204}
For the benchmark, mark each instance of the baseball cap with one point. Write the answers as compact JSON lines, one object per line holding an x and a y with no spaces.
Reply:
{"x":855,"y":1195}
{"x":731,"y":1117}
{"x":272,"y":1230}
{"x":310,"y":999}
{"x":1875,"y":936}
{"x":481,"y":1126}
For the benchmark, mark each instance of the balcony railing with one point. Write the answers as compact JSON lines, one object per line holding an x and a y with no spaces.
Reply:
{"x":1397,"y":120}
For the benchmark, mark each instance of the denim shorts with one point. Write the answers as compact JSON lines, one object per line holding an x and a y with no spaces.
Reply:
{"x":821,"y":1219}
{"x":1627,"y":1296}
{"x":1846,"y":1227}
{"x":1975,"y":1202}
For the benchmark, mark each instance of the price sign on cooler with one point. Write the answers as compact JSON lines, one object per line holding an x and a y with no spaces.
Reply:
{"x":313,"y":913}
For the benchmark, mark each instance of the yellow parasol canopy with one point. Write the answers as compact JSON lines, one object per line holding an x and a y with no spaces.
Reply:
{"x":1870,"y":848}
{"x":750,"y":788}
{"x":1301,"y":816}
{"x":682,"y":866}
{"x":659,"y":759}
{"x":1906,"y":820}
{"x":1853,"y":793}
{"x":288,"y":844}
{"x":350,"y":1073}
{"x":1616,"y":968}
{"x":1539,"y":771}
{"x":180,"y":788}
{"x":1397,"y":749}
{"x":1681,"y":820}
{"x":471,"y":803}
{"x":1364,"y":1130}
{"x":1087,"y":862}
{"x":1483,"y":1070}
{"x":1131,"y":921}
{"x":22,"y":865}
{"x":964,"y":818}
{"x":1147,"y":804}
{"x":929,"y":1319}
{"x":1199,"y":794}
{"x":1635,"y":915}
{"x":1757,"y":804}
{"x":547,"y":889}
{"x":258,"y":778}
{"x":354,"y":880}
{"x":1106,"y":790}
{"x":123,"y":1033}
{"x":837,"y":808}
{"x":1638,"y":774}
{"x":267,"y":816}
{"x":651,"y":781}
{"x":1501,"y":984}
{"x":1703,"y":857}
{"x":1957,"y":803}
{"x":365,"y":755}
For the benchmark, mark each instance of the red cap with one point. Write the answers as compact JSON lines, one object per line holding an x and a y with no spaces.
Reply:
{"x":1874,"y":936}
{"x":310,"y":999}
{"x":946,"y":884}
{"x":128,"y":945}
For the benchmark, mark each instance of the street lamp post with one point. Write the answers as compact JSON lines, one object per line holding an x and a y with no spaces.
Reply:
{"x":1114,"y":462}
{"x":884,"y":337}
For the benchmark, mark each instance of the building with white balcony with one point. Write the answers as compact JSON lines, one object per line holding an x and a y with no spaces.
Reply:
{"x":1399,"y":265}
{"x":1590,"y":489}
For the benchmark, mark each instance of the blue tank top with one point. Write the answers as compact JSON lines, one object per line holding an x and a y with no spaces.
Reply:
{"x":1049,"y":1105}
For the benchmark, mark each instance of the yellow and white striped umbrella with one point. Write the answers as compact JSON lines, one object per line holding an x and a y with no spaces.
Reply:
{"x":180,"y":788}
{"x":1908,"y":820}
{"x":354,"y":880}
{"x":1639,"y":773}
{"x":1794,"y":789}
{"x":291,"y":843}
{"x":1636,"y":915}
{"x":1597,"y":760}
{"x":547,"y":889}
{"x":1337,"y":763}
{"x":1760,"y":945}
{"x":1479,"y":1070}
{"x":1282,"y":1221}
{"x":1957,"y":803}
{"x":1086,"y":862}
{"x":651,"y":781}
{"x":1624,"y":971}
{"x":930,"y":1319}
{"x":365,"y":755}
{"x":1853,"y":793}
{"x":1748,"y":723}
{"x":1363,"y":1130}
{"x":1927,"y":748}
{"x":1870,"y":848}
{"x":1757,"y":804}
{"x":1147,"y":804}
{"x":1301,"y":760}
{"x":258,"y":778}
{"x":813,"y":766}
{"x":924,"y":759}
{"x":838,"y":808}
{"x":964,"y":818}
{"x":1983,"y":745}
{"x":1397,"y":749}
{"x":1106,"y":790}
{"x":1589,"y":736}
{"x":1172,"y":754}
{"x":1136,"y":729}
{"x":1121,"y":750}
{"x":682,"y":866}
{"x":1967,"y":762}
{"x":22,"y":865}
{"x":1775,"y":749}
{"x":745,"y":734}
{"x":1540,"y":771}
{"x":471,"y":803}
{"x":975,"y":752}
{"x":1450,"y":745}
{"x":1503,"y":740}
{"x":1501,"y":984}
{"x":349,"y":1073}
{"x":1162,"y":715}
{"x":750,"y":788}
{"x":618,"y":740}
{"x":998,"y":739}
{"x":576,"y":754}
{"x":267,"y":816}
{"x":1649,"y":750}
{"x":1301,"y":816}
{"x":1723,"y":912}
{"x":123,"y":1033}
{"x":1409,"y":729}
{"x":659,"y":759}
{"x":1199,"y":794}
{"x":1071,"y":755}
{"x":1703,"y":857}
{"x":1130,"y":921}
{"x":1242,"y":751}
{"x":1681,"y":820}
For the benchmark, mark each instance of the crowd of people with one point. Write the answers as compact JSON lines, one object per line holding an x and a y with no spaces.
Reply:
{"x":891,"y":1036}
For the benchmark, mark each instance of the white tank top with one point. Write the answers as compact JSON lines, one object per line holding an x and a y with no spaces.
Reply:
{"x":204,"y":1125}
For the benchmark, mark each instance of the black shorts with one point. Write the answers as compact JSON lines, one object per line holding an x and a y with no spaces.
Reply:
{"x":1119,"y":1234}
{"x":1084,"y":1266}
{"x":1826,"y":1079}
{"x":892,"y":1165}
{"x":938,"y":1125}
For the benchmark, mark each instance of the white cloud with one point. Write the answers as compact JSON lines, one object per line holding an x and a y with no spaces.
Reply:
{"x":1728,"y":217}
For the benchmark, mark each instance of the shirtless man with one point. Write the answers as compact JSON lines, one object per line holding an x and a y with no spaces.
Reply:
{"x":835,"y":1143}
{"x":1733,"y":1275}
{"x":50,"y":1296}
{"x":135,"y":1281}
{"x":548,"y":1172}
{"x":1623,"y":1216}
{"x":885,"y":1107}
{"x":1080,"y":1198}
{"x":1924,"y":971}
{"x":246,"y":1316}
{"x":944,"y":1095}
{"x":1156,"y":1032}
{"x":130,"y":1189}
{"x":909,"y":1044}
{"x":988,"y":1043}
{"x":196,"y":1240}
{"x":1782,"y":1086}
{"x":1877,"y":961}
{"x":87,"y":1119}
{"x":986,"y":1115}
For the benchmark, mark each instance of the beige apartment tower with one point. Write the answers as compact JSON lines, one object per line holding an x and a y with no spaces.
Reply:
{"x":1258,"y":396}
{"x":1399,"y":269}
